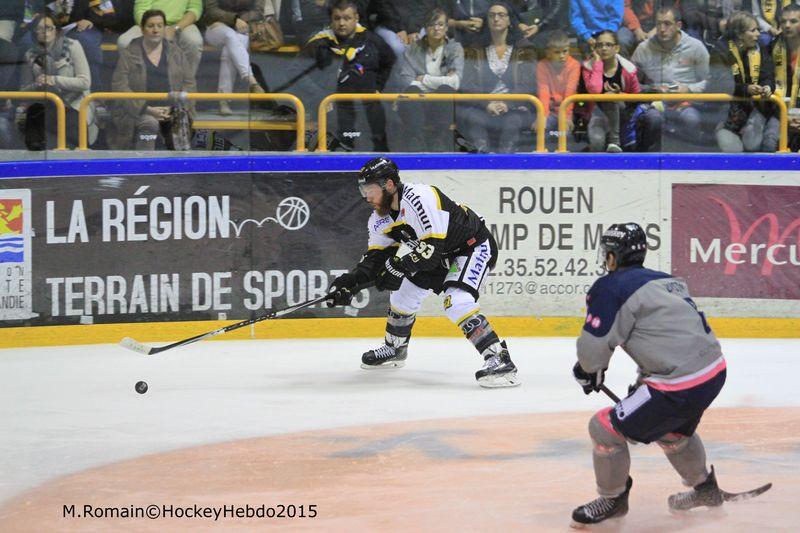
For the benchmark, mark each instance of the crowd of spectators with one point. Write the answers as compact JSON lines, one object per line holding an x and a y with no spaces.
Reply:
{"x":547,"y":48}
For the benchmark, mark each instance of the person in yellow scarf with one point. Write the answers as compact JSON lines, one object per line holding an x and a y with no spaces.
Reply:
{"x":786,"y":56}
{"x":363,"y":62}
{"x":753,"y":74}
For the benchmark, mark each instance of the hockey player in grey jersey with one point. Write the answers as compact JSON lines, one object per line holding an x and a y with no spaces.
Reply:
{"x":652,"y":317}
{"x":451,"y":251}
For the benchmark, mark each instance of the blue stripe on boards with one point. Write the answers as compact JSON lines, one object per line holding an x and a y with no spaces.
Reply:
{"x":350,"y":162}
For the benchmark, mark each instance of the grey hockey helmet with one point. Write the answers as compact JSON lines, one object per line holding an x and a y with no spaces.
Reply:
{"x":626,"y":241}
{"x":378,"y":170}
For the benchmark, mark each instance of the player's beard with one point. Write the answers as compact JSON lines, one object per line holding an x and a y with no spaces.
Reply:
{"x":385,"y":204}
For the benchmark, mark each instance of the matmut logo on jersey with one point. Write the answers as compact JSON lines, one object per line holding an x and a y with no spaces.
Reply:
{"x":15,"y":255}
{"x":737,"y":240}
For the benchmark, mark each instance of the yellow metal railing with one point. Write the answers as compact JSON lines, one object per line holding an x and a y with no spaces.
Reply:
{"x":322,"y":115}
{"x":61,"y":113}
{"x":672,"y":97}
{"x":256,"y":124}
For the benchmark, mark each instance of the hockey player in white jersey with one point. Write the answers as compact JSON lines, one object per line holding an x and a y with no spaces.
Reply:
{"x":652,"y":317}
{"x":451,"y":251}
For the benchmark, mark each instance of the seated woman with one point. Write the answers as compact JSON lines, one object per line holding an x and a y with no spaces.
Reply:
{"x":55,"y":64}
{"x":748,"y":126}
{"x":607,"y":72}
{"x":84,"y":21}
{"x":504,"y":64}
{"x":434,"y":64}
{"x":228,"y":24}
{"x":150,"y":64}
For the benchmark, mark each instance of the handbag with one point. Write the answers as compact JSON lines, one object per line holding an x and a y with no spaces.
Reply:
{"x":177,"y":131}
{"x":265,"y":35}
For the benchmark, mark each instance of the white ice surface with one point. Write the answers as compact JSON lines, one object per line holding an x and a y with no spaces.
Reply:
{"x":66,"y":409}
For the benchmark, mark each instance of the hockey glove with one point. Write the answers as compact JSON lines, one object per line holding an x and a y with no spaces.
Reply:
{"x":590,"y":381}
{"x":424,"y":255}
{"x":340,"y":290}
{"x":391,"y":275}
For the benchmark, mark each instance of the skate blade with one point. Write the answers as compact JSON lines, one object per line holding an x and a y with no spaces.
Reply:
{"x":697,"y":509}
{"x":610,"y":520}
{"x":605,"y":523}
{"x":390,"y":364}
{"x":500,"y":381}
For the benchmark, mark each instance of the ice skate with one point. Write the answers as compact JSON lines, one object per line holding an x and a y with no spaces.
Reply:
{"x":706,"y":494}
{"x":386,"y":356}
{"x":601,"y":509}
{"x":498,"y":370}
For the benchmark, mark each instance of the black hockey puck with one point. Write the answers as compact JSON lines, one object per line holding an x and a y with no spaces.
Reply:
{"x":141,"y":387}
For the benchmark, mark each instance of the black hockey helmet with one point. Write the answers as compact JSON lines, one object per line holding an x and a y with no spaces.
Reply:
{"x":626,"y":241}
{"x":378,"y":170}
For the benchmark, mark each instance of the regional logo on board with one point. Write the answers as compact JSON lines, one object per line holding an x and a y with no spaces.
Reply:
{"x":15,"y":255}
{"x":12,"y":248}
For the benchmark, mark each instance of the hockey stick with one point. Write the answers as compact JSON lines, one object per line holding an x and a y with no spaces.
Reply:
{"x":610,"y":394}
{"x":727,"y":496}
{"x":142,"y":348}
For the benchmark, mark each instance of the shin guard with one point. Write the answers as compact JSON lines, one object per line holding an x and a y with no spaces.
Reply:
{"x":479,"y":332}
{"x":610,"y":455}
{"x":398,"y":328}
{"x":687,"y":455}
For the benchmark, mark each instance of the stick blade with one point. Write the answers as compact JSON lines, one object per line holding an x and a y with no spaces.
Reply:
{"x":746,"y":495}
{"x":135,"y":345}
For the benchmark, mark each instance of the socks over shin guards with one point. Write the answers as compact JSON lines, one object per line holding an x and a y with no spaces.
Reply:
{"x":479,"y":332}
{"x":398,"y":328}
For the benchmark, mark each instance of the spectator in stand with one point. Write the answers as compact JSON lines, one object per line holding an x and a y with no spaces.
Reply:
{"x":671,"y":62}
{"x":309,"y":17}
{"x":180,"y":26}
{"x":434,"y":64}
{"x":557,"y":77}
{"x":786,"y":58}
{"x":767,"y":14}
{"x":365,"y":65}
{"x":55,"y":64}
{"x":85,"y":20}
{"x":591,"y":16}
{"x":400,"y":22}
{"x":11,"y":12}
{"x":466,"y":19}
{"x":753,"y":73}
{"x":151,"y":63}
{"x":506,"y":63}
{"x":638,"y":23}
{"x":227,"y":25}
{"x":537,"y":18}
{"x":607,"y":72}
{"x":705,"y":19}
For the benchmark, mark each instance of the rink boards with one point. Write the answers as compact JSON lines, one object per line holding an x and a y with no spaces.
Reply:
{"x":93,"y":249}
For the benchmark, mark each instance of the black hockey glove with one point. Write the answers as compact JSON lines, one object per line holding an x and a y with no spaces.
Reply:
{"x":340,"y":290}
{"x":424,"y":255}
{"x":590,"y":381}
{"x":391,"y":275}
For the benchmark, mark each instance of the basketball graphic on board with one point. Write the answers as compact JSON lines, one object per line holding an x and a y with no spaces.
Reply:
{"x":292,"y":213}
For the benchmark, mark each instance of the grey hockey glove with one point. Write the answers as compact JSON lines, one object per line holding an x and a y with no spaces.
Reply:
{"x":590,"y":381}
{"x":340,"y":290}
{"x":391,"y":275}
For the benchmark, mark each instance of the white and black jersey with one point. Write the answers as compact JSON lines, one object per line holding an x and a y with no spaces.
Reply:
{"x":427,"y":215}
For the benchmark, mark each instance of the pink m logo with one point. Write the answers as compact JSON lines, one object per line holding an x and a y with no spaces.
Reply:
{"x":774,"y":237}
